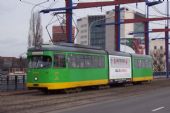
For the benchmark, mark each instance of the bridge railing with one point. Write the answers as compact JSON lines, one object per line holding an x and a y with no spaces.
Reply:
{"x":159,"y":73}
{"x":14,"y":82}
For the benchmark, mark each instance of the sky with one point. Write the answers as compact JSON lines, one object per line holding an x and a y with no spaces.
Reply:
{"x":15,"y":16}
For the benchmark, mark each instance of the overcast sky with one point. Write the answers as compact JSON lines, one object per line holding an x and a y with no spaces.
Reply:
{"x":14,"y":22}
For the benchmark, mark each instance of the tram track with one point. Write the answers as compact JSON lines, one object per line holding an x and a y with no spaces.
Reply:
{"x":58,"y":99}
{"x":40,"y":103}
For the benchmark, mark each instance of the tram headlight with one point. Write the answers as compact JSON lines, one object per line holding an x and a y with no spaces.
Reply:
{"x":35,"y":78}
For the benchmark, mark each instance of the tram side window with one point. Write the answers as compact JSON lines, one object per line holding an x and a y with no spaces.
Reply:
{"x":59,"y":60}
{"x":95,"y":61}
{"x":138,"y":63}
{"x":88,"y":61}
{"x":85,"y":61}
{"x":143,"y":63}
{"x":40,"y":62}
{"x":71,"y":61}
{"x":149,"y":64}
{"x":101,"y":62}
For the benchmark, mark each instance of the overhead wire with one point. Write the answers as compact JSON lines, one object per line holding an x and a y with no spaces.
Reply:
{"x":60,"y":23}
{"x":75,"y":37}
{"x":63,"y":31}
{"x":52,"y":4}
{"x":27,"y":2}
{"x":49,"y":23}
{"x":157,"y":10}
{"x":149,"y":15}
{"x":157,"y":36}
{"x":162,"y":24}
{"x":154,"y":7}
{"x":142,"y":11}
{"x":74,"y":24}
{"x":121,"y":19}
{"x":31,"y":3}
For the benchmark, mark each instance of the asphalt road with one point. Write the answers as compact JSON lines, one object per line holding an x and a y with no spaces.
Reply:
{"x":157,"y":101}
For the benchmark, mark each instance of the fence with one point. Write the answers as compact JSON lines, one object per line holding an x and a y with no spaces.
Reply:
{"x":14,"y":82}
{"x":160,"y":74}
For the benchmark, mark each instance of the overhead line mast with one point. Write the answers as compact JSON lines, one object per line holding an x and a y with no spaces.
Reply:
{"x":167,"y":41}
{"x":69,"y":7}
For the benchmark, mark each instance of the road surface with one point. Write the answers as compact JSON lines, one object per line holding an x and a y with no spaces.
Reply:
{"x":157,"y":101}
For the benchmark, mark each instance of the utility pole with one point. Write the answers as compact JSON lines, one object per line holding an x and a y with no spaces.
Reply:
{"x":146,"y":25}
{"x":167,"y":41}
{"x":69,"y":20}
{"x":117,"y":27}
{"x":69,"y":8}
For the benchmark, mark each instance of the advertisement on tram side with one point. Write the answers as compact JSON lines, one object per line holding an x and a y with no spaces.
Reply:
{"x":119,"y":67}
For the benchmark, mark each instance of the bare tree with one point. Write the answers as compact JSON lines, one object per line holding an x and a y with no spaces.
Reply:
{"x":35,"y":31}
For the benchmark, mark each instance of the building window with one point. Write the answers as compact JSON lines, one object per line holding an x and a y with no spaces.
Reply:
{"x":84,"y":25}
{"x":84,"y":31}
{"x":83,"y":37}
{"x":155,"y":47}
{"x":161,"y":47}
{"x":83,"y":42}
{"x":85,"y":61}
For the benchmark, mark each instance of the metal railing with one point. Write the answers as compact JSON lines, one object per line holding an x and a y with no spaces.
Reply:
{"x":14,"y":82}
{"x":159,"y":73}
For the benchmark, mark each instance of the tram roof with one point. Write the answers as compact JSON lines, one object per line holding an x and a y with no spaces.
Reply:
{"x":67,"y":47}
{"x":119,"y":53}
{"x":141,"y":56}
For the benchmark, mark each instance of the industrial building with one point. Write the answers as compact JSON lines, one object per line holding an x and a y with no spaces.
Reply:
{"x":89,"y":33}
{"x":94,"y":32}
{"x":59,"y":34}
{"x":7,"y":63}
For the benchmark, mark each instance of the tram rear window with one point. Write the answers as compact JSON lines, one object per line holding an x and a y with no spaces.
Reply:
{"x":40,"y":62}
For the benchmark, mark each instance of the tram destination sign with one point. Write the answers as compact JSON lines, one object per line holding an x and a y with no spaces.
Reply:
{"x":37,"y":53}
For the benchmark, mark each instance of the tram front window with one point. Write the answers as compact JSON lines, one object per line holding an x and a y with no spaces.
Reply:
{"x":40,"y":62}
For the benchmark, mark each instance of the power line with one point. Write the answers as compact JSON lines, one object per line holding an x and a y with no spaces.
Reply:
{"x":53,"y":4}
{"x":158,"y":11}
{"x":31,"y":3}
{"x":144,"y":12}
{"x":158,"y":23}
